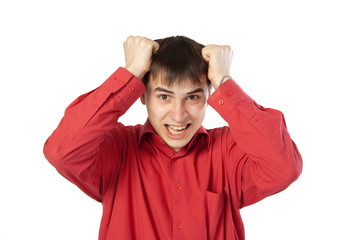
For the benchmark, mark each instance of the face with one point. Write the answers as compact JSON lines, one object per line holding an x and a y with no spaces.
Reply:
{"x":176,"y":112}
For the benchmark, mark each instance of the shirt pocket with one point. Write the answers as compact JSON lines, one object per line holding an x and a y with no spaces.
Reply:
{"x":214,"y":213}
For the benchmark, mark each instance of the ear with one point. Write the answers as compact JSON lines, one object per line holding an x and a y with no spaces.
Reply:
{"x":142,"y":99}
{"x":210,"y":88}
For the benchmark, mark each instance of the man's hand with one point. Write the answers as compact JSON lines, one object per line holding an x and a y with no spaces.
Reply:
{"x":219,"y":58}
{"x":138,"y":52}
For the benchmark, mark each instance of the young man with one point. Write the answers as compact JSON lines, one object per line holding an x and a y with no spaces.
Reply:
{"x":171,"y":178}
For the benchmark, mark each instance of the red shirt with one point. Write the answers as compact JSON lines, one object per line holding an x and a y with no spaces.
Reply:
{"x":148,"y":190}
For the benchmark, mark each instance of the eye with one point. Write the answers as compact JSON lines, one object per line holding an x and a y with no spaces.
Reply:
{"x":193,"y":97}
{"x":164,"y":97}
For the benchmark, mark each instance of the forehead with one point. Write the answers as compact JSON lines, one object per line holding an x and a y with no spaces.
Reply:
{"x":183,"y":87}
{"x":178,"y":86}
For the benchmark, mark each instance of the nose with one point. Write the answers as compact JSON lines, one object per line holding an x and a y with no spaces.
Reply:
{"x":179,"y":112}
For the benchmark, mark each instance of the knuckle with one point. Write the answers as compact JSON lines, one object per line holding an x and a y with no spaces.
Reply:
{"x":228,"y":47}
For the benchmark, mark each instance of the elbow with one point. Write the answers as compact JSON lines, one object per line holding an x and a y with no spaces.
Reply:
{"x":283,"y":180}
{"x":292,"y":172}
{"x":292,"y":175}
{"x":52,"y":154}
{"x":292,"y":166}
{"x":296,"y":165}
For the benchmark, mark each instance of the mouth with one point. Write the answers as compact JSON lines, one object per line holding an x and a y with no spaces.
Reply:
{"x":177,"y":130}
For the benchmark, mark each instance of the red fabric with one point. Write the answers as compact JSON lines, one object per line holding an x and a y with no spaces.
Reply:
{"x":149,"y":191}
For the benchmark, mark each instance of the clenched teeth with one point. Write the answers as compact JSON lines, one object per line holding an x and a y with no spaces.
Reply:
{"x":176,"y":129}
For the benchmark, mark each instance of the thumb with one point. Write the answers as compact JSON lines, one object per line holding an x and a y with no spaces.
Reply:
{"x":155,"y":46}
{"x":206,"y":53}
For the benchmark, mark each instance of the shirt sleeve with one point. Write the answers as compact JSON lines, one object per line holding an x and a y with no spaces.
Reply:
{"x":261,"y":157}
{"x":78,"y":148}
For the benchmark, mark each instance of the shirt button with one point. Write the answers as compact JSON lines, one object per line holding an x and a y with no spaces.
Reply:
{"x":131,"y":89}
{"x":179,"y":190}
{"x":180,"y":226}
{"x":221,"y":102}
{"x":255,"y":119}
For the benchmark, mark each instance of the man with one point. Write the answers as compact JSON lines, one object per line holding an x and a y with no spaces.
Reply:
{"x":171,"y":178}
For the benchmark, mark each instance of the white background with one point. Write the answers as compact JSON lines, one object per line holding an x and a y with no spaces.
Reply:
{"x":302,"y":57}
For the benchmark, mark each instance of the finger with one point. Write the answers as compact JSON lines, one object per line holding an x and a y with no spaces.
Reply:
{"x":206,"y":53}
{"x":129,"y":38}
{"x":155,"y":46}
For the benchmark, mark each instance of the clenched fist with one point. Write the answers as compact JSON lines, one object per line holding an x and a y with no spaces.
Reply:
{"x":219,"y":58}
{"x":138,"y":52}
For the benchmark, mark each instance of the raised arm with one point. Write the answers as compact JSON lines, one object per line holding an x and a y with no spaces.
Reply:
{"x":261,"y":157}
{"x":82,"y":148}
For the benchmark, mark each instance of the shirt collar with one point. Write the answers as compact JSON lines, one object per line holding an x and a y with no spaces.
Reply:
{"x":148,"y":129}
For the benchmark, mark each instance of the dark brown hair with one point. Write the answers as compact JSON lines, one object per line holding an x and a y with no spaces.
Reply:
{"x":178,"y":60}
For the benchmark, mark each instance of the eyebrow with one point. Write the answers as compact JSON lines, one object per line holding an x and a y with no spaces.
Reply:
{"x":171,"y":92}
{"x":196,"y":91}
{"x":160,"y":89}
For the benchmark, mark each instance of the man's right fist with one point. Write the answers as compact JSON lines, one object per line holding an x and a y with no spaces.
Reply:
{"x":138,"y":52}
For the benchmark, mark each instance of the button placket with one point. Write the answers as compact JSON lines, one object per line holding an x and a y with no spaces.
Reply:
{"x":177,"y":196}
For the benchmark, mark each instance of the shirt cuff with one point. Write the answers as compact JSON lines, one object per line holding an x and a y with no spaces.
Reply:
{"x":227,"y":97}
{"x":119,"y":79}
{"x":131,"y":87}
